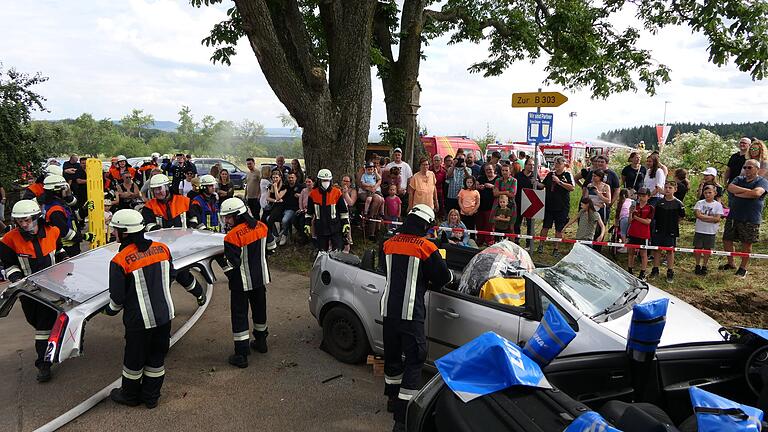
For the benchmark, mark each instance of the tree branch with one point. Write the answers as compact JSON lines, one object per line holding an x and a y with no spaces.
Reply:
{"x":382,"y":34}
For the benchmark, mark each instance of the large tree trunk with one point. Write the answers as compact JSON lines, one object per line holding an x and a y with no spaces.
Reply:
{"x":334,"y":112}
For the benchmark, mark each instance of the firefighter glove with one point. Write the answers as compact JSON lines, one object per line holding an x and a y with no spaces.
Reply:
{"x":89,"y":205}
{"x":346,"y":228}
{"x":202,"y":299}
{"x":307,"y":230}
{"x":89,"y":237}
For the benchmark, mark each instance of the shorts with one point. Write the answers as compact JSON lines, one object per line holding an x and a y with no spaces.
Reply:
{"x":744,"y":232}
{"x":664,"y":240}
{"x":637,"y":241}
{"x":624,"y":226}
{"x":558,"y":217}
{"x":703,"y":241}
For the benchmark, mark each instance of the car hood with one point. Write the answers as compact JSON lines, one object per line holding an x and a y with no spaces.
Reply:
{"x":86,"y":275}
{"x":685,"y":324}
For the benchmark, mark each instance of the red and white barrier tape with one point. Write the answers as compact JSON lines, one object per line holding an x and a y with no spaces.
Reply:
{"x":461,"y":232}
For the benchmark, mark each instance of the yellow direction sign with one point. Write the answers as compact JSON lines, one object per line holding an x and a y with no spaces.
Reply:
{"x":538,"y":99}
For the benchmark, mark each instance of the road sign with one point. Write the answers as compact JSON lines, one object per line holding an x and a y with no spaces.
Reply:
{"x":540,"y":127}
{"x":532,"y":204}
{"x":538,"y":99}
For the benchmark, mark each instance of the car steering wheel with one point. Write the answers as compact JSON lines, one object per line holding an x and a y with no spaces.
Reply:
{"x":756,"y":370}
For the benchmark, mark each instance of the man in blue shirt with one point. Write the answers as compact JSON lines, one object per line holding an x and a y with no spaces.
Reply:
{"x":745,"y":197}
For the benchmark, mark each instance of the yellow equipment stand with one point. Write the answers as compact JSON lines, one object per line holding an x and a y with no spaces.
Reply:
{"x":95,"y":189}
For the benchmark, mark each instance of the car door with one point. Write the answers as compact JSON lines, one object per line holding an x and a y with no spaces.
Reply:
{"x":455,"y":318}
{"x":368,"y":287}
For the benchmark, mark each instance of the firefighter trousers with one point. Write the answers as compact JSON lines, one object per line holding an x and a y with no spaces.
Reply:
{"x":402,"y":378}
{"x":188,"y":281}
{"x":330,"y":242}
{"x":239,"y":301}
{"x":144,"y":362}
{"x":42,"y":318}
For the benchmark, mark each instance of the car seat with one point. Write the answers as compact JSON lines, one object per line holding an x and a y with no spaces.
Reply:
{"x":637,"y":417}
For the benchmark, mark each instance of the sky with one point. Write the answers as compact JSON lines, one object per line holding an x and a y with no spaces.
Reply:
{"x":108,"y":57}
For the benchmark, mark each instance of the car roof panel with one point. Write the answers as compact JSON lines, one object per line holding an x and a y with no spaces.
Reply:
{"x":87,"y":275}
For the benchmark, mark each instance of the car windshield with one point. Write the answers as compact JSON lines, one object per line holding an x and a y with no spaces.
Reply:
{"x":588,"y":280}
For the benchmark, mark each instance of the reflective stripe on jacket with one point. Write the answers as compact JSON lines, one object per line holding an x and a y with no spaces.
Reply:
{"x":246,"y":251}
{"x":329,"y":210}
{"x":174,"y":213}
{"x":24,"y":256}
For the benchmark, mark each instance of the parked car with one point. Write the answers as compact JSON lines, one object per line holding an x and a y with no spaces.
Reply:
{"x":594,"y":294}
{"x":78,"y":288}
{"x":236,"y":174}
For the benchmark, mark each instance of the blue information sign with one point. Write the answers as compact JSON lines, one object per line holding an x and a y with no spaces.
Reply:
{"x":540,"y":127}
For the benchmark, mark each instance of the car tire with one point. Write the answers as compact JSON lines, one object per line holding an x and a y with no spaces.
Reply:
{"x":344,"y":335}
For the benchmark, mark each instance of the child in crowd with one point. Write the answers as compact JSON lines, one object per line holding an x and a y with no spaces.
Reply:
{"x":392,"y":205}
{"x":503,"y":218}
{"x":394,"y":179}
{"x":639,"y":230}
{"x":369,"y":182}
{"x":459,"y":236}
{"x":669,"y":211}
{"x":708,"y":214}
{"x":625,"y":203}
{"x":469,"y":202}
{"x":588,"y":220}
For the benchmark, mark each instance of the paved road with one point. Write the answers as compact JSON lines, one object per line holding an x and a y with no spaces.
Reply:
{"x":280,"y":391}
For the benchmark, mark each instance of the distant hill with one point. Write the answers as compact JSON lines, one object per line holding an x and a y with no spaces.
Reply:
{"x":632,"y":136}
{"x":162,"y":125}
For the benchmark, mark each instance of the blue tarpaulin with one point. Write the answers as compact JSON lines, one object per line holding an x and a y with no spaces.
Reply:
{"x":590,"y":421}
{"x":717,"y":414}
{"x":487,"y":364}
{"x":763,"y":333}
{"x":551,"y":337}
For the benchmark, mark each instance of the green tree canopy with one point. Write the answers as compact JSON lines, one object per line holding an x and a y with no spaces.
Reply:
{"x":135,"y":122}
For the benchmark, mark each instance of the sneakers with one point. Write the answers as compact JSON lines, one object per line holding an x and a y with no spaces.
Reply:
{"x":703,"y":271}
{"x":283,"y":240}
{"x":44,"y":372}
{"x":726,"y":266}
{"x":654,"y":272}
{"x":641,"y":275}
{"x":670,"y":275}
{"x":697,"y":270}
{"x":741,"y":272}
{"x":118,"y":396}
{"x":238,"y":360}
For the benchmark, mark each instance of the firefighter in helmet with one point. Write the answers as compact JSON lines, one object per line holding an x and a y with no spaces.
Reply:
{"x":24,"y":250}
{"x":329,"y":211}
{"x":207,"y":201}
{"x":139,"y":285}
{"x":35,"y":190}
{"x":57,"y":206}
{"x":413,"y":262}
{"x":121,"y":165}
{"x":245,"y":249}
{"x":169,"y":210}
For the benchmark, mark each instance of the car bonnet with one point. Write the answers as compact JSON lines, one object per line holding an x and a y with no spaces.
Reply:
{"x":685,"y":324}
{"x":87,"y":275}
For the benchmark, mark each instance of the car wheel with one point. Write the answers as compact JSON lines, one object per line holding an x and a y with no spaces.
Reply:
{"x":344,"y":335}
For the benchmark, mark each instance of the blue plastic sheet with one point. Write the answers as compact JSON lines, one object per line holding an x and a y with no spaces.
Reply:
{"x":648,"y":320}
{"x":590,"y":421}
{"x":739,"y":418}
{"x":487,"y":364}
{"x":551,"y":337}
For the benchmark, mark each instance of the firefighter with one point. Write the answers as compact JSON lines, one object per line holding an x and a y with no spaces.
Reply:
{"x":35,"y":190}
{"x":24,"y":250}
{"x":168,"y":210}
{"x":329,"y":211}
{"x":412,"y":263}
{"x":116,"y":171}
{"x":207,"y":202}
{"x":57,"y":207}
{"x":245,"y":249}
{"x":139,"y":285}
{"x":145,"y":170}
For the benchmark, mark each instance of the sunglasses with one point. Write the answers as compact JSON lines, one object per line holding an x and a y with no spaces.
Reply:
{"x":749,"y":167}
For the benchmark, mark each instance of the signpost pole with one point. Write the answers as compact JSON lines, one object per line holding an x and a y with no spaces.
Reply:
{"x":535,"y":177}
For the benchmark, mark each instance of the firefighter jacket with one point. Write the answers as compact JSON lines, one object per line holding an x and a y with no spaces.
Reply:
{"x":23,"y":254}
{"x":33,"y":191}
{"x":411,"y":262}
{"x":114,"y":173}
{"x":208,"y":211}
{"x":174,"y":213}
{"x":328,"y":209}
{"x":60,"y":215}
{"x":145,"y":170}
{"x":245,"y":249}
{"x":140,"y":285}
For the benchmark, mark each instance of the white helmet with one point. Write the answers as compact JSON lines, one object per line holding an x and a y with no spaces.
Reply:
{"x":147,"y":159}
{"x":166,"y":156}
{"x":158,"y":180}
{"x":424,"y":212}
{"x":207,"y":180}
{"x":24,"y":209}
{"x":54,"y":182}
{"x":53,"y":169}
{"x":155,"y":155}
{"x":232,"y":206}
{"x":324,"y":174}
{"x":122,"y":158}
{"x":127,"y":221}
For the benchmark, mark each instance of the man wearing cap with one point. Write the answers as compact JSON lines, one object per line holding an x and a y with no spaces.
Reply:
{"x":405,"y":174}
{"x":736,"y":161}
{"x":746,"y":200}
{"x":709,"y":178}
{"x":412,"y":263}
